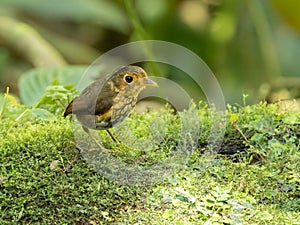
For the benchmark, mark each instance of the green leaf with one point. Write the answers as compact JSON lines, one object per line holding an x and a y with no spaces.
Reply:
{"x":168,"y":213}
{"x":173,"y":180}
{"x":56,"y":97}
{"x":181,"y":198}
{"x":266,"y":216}
{"x":42,"y":114}
{"x":33,"y":83}
{"x":258,"y":138}
{"x":291,"y":118}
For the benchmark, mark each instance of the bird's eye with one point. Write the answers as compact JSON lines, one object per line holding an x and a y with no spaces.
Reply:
{"x":128,"y":78}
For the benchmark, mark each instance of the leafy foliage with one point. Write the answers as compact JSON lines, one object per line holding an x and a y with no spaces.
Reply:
{"x":34,"y":83}
{"x":56,"y":98}
{"x":89,"y":27}
{"x":44,"y":179}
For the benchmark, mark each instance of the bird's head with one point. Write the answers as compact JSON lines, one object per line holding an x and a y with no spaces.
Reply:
{"x":132,"y":79}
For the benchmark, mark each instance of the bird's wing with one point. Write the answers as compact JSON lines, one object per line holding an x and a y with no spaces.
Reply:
{"x":91,"y":101}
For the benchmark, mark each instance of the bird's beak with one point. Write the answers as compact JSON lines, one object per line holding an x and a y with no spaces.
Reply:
{"x":149,"y":82}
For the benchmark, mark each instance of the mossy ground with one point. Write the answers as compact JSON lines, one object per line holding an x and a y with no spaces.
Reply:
{"x":45,"y":179}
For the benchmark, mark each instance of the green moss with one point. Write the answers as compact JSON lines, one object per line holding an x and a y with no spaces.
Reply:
{"x":45,"y":179}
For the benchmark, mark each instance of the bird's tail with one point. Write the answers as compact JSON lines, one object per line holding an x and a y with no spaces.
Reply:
{"x":69,"y":109}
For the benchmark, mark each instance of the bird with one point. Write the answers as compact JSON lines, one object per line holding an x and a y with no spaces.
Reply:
{"x":108,"y":101}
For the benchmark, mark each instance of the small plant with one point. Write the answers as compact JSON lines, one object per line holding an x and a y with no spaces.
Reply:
{"x":56,"y":98}
{"x":44,"y":178}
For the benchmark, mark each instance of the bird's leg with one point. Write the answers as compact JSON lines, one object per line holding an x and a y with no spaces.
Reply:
{"x":112,"y":136}
{"x":92,"y":136}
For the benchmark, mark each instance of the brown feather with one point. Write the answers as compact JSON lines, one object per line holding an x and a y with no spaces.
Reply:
{"x":107,"y":101}
{"x":68,"y":109}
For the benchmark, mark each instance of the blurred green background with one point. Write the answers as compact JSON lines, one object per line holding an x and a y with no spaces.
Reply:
{"x":252,"y":46}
